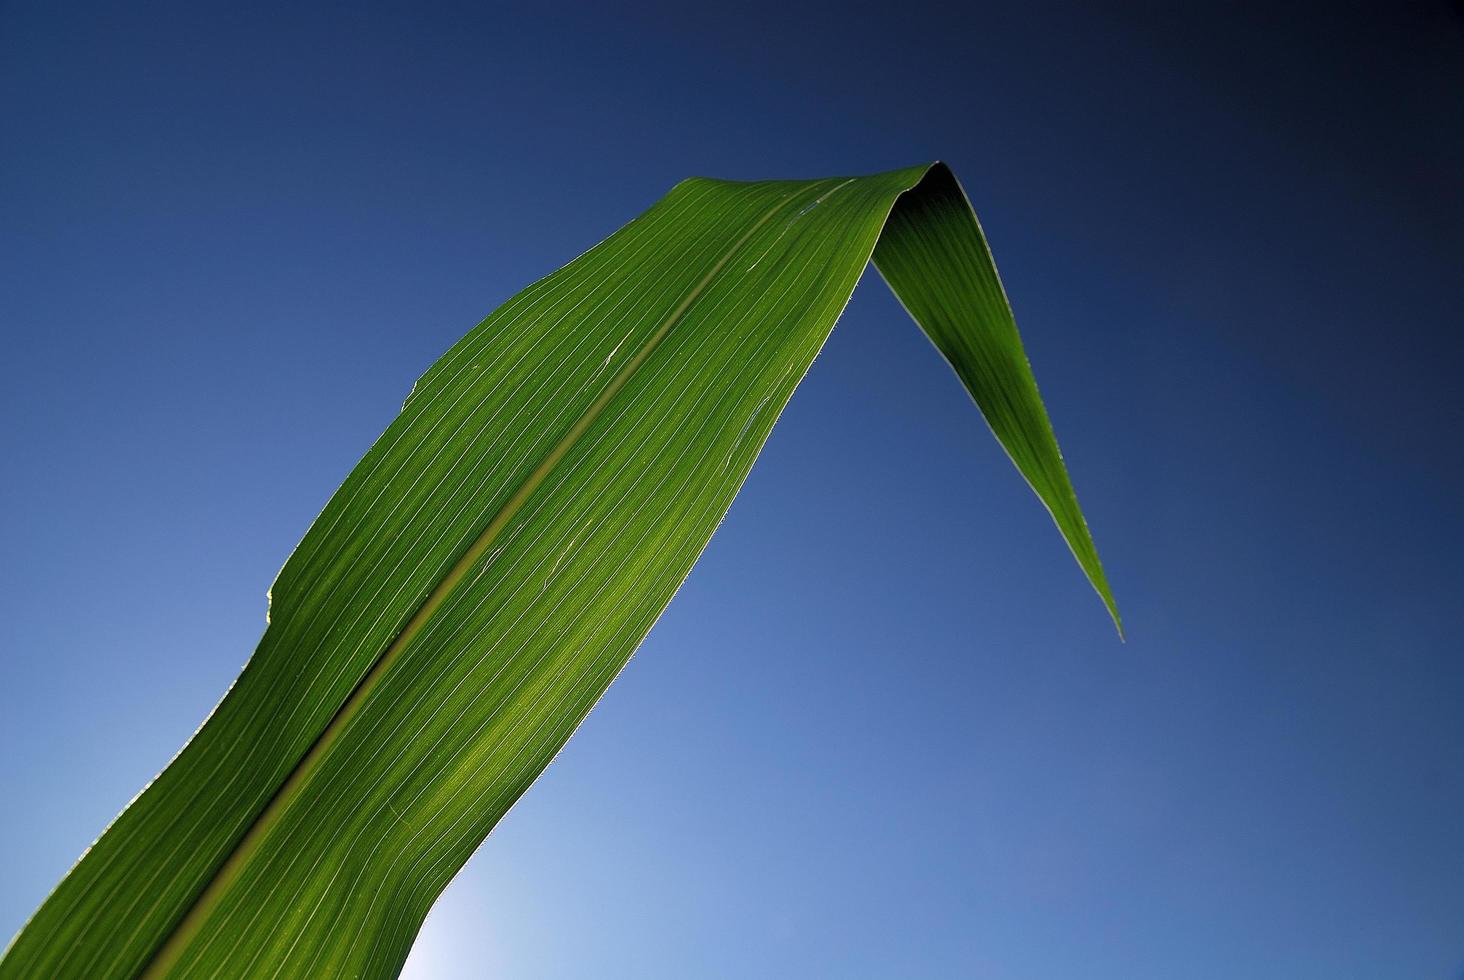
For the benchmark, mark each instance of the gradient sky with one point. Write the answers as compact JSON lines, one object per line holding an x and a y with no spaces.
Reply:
{"x":885,"y":730}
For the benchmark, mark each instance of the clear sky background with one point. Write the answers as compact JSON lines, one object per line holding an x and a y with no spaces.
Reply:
{"x":886,"y":729}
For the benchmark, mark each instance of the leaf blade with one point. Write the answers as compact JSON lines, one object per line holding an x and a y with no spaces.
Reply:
{"x":470,"y":592}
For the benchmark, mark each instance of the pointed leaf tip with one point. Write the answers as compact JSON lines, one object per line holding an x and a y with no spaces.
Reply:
{"x":935,"y":257}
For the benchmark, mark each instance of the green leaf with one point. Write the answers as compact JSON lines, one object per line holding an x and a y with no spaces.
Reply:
{"x":487,"y":569}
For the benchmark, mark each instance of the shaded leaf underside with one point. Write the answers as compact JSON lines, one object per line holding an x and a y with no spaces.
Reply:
{"x":493,"y":561}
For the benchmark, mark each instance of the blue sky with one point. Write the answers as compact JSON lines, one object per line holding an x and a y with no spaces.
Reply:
{"x":885,"y":730}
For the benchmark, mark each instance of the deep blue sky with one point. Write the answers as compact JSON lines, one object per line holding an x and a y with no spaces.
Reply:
{"x":885,"y":730}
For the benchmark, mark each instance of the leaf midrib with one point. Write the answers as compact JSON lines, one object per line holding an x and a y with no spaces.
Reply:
{"x":178,"y":940}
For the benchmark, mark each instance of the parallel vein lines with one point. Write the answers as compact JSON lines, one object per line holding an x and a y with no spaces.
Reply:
{"x":177,"y":942}
{"x":470,"y":592}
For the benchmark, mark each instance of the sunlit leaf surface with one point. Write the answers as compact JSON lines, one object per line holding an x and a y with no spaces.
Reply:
{"x":485,"y":571}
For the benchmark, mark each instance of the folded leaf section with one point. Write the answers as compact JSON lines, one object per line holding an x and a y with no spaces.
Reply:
{"x":934,"y":256}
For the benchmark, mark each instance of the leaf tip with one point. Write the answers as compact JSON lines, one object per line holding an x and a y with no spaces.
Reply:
{"x":1093,"y":570}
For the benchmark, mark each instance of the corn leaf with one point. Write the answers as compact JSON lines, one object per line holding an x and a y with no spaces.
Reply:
{"x":486,"y":570}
